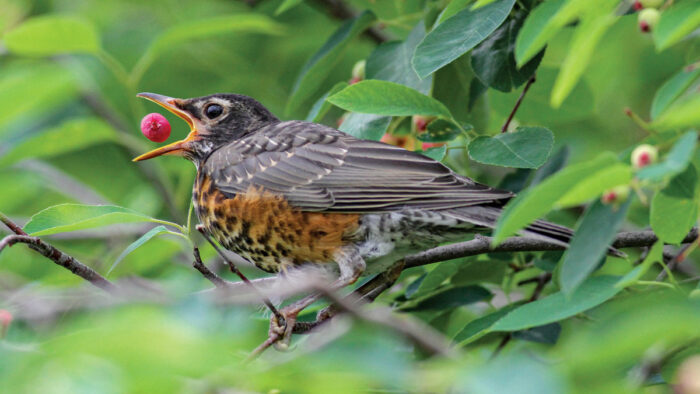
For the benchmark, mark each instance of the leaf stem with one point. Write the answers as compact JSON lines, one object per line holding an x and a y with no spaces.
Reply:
{"x":653,"y":283}
{"x":182,"y":229}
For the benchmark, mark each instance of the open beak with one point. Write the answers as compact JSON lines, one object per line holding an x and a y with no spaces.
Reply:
{"x":176,"y":148}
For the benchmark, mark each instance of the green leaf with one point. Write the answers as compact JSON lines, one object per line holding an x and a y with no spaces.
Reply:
{"x":592,"y":187}
{"x":70,"y":136}
{"x":453,"y":7}
{"x":387,"y":98}
{"x":441,"y":130}
{"x":534,"y":203}
{"x":683,"y":113}
{"x":676,"y":161}
{"x":676,"y":22}
{"x":204,"y":28}
{"x":481,"y":3}
{"x":655,"y":255}
{"x":71,"y":217}
{"x":436,"y":153}
{"x":548,"y":334}
{"x":286,"y":5}
{"x":672,"y":89}
{"x":514,"y":373}
{"x":539,"y":27}
{"x":595,"y":232}
{"x":321,"y":106}
{"x":322,"y":62}
{"x":674,"y":209}
{"x":448,"y":298}
{"x":477,"y":328}
{"x":493,"y":60}
{"x":457,"y":35}
{"x":581,"y":50}
{"x":28,"y":90}
{"x":436,"y":277}
{"x":135,"y":245}
{"x":558,"y":306}
{"x":527,"y":147}
{"x":365,"y":126}
{"x":391,"y":62}
{"x":52,"y":35}
{"x":201,"y":29}
{"x":449,"y":85}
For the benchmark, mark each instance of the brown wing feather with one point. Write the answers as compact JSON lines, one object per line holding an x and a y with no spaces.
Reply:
{"x":318,"y":168}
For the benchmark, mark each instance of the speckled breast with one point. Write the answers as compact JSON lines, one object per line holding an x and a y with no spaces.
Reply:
{"x":265,"y":229}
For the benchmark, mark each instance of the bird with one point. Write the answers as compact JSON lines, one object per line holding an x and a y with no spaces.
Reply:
{"x":286,"y":194}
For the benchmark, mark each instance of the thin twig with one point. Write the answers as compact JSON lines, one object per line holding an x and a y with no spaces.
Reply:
{"x":61,"y":259}
{"x":677,"y":259}
{"x":11,"y":225}
{"x":517,"y":104}
{"x":206,"y":272}
{"x":542,"y":281}
{"x":236,"y":271}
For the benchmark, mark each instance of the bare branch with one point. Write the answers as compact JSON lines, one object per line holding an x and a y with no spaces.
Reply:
{"x":517,"y":104}
{"x":61,"y":259}
{"x":481,"y":245}
{"x":206,"y":272}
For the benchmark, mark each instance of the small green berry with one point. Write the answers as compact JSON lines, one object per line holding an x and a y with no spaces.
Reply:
{"x":358,"y":72}
{"x":648,"y":18}
{"x":643,"y":155}
{"x":616,"y":195}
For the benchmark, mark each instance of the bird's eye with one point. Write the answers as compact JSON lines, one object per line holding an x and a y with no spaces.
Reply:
{"x":213,"y":110}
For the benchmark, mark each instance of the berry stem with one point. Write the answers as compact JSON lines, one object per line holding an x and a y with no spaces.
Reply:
{"x":517,"y":104}
{"x":639,"y":121}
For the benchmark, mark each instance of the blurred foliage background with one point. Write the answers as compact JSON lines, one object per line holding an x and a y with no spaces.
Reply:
{"x":69,"y":73}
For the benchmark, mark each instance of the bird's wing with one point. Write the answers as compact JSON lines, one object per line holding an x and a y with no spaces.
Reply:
{"x":317,"y":168}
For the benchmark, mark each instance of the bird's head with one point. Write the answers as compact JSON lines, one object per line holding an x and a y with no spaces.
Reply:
{"x":214,"y":121}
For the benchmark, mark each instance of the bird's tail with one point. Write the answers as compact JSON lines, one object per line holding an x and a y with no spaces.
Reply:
{"x":540,"y":229}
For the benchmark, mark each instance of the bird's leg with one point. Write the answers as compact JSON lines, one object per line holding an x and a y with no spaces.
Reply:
{"x":369,"y":291}
{"x":351,"y":267}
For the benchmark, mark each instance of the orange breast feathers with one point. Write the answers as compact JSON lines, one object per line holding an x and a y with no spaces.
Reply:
{"x":261,"y":219}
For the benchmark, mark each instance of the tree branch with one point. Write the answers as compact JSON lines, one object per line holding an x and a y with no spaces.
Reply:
{"x":61,"y":259}
{"x":206,"y":272}
{"x":481,"y":245}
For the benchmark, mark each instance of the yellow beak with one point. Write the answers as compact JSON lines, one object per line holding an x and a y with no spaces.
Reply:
{"x":176,"y":148}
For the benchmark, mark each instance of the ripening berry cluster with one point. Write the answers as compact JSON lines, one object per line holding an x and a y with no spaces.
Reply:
{"x":649,"y":13}
{"x":642,"y":156}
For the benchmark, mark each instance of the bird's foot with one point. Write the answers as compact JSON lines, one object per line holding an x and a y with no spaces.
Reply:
{"x":281,"y":331}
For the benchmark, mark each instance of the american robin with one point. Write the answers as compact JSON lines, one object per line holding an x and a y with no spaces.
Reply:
{"x":285,"y":194}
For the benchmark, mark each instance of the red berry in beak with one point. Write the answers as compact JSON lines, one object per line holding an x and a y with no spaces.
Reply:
{"x":155,"y":127}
